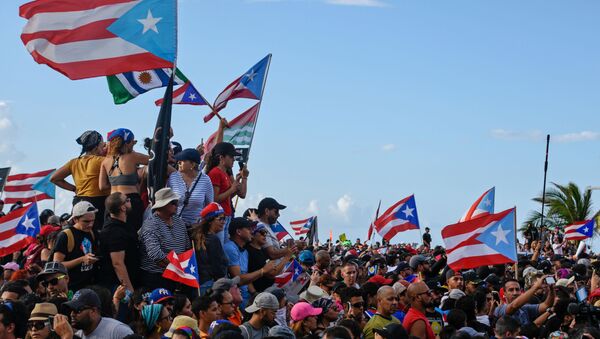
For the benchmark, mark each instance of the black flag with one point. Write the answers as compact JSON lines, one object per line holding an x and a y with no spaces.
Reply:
{"x":157,"y":166}
{"x":3,"y":175}
{"x":313,"y":233}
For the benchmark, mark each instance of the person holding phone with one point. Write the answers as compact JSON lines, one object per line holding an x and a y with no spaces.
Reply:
{"x":517,"y":305}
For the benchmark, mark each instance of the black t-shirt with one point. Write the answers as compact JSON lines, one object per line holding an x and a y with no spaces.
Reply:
{"x":257,"y":258}
{"x":427,"y":238}
{"x":212,"y":262}
{"x":117,"y":236}
{"x":80,"y":275}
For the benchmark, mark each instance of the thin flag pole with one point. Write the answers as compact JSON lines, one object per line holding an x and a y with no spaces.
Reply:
{"x":262,"y":92}
{"x":542,"y":236}
{"x":515,"y":234}
{"x":194,"y":249}
{"x":373,"y":224}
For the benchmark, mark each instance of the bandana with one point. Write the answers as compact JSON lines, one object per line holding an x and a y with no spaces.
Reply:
{"x":89,"y":140}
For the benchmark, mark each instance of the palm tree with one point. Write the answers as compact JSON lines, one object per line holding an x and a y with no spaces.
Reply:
{"x":564,"y":205}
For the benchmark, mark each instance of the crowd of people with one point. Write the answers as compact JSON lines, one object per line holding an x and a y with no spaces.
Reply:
{"x":98,"y":271}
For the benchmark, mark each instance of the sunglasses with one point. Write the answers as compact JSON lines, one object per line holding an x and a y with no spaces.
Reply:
{"x":82,"y":309}
{"x":358,"y":305}
{"x":53,"y":281}
{"x":221,"y":218}
{"x":37,"y":325}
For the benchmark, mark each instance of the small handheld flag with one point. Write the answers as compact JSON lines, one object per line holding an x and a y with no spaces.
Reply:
{"x":182,"y":268}
{"x":402,"y":216}
{"x":19,"y":229}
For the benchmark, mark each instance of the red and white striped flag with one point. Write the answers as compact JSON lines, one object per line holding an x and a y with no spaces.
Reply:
{"x":19,"y":187}
{"x":84,"y":39}
{"x":182,"y":268}
{"x":18,"y":229}
{"x":372,"y":226}
{"x":302,"y":226}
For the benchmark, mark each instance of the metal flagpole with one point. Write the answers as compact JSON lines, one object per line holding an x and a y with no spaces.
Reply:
{"x":542,"y":236}
{"x":515,"y":232}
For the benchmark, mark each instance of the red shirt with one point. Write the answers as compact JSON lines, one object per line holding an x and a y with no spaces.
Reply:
{"x":413,"y":315}
{"x":221,"y":180}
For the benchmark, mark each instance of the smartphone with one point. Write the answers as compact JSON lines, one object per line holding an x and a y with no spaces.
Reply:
{"x":50,"y":322}
{"x":550,"y":280}
{"x":496,"y":296}
{"x":581,"y":294}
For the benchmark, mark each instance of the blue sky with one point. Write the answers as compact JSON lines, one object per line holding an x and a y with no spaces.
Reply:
{"x":365,"y":100}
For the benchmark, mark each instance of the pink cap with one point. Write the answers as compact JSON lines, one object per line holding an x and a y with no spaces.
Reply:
{"x":11,"y":266}
{"x":302,"y":310}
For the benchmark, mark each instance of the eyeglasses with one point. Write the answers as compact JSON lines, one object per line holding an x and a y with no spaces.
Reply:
{"x":53,"y":281}
{"x":169,"y":317}
{"x":358,"y":305}
{"x":37,"y":325}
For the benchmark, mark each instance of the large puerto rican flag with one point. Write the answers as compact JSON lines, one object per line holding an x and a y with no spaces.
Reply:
{"x":302,"y":226}
{"x":580,"y":230}
{"x":290,"y":274}
{"x":28,"y":187}
{"x":84,"y":39}
{"x":482,"y":206}
{"x":487,"y":240}
{"x":18,"y":229}
{"x":402,"y":216}
{"x":182,"y":268}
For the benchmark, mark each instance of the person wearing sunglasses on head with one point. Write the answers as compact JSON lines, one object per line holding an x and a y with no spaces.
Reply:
{"x":162,"y":233}
{"x":55,"y":280}
{"x":387,"y":303}
{"x":89,"y":322}
{"x":258,"y":258}
{"x":212,"y":262}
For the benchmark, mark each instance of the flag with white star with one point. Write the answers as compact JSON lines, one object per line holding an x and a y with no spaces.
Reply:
{"x":250,"y":86}
{"x":580,"y":230}
{"x":186,"y":95}
{"x":482,"y":206}
{"x":183,"y":268}
{"x":19,"y":228}
{"x":487,"y":240}
{"x":402,"y":216}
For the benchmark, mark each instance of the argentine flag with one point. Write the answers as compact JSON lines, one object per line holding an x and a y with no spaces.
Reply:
{"x":126,"y":86}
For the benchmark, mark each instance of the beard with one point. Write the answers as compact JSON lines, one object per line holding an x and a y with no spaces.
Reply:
{"x":82,"y":324}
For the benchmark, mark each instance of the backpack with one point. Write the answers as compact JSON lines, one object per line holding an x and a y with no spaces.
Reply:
{"x":71,"y":240}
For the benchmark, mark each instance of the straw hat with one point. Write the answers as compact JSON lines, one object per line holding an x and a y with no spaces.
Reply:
{"x":42,"y":311}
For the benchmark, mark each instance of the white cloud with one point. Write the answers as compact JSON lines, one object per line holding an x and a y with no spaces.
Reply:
{"x":8,"y":129}
{"x":362,"y":3}
{"x":342,"y":207}
{"x":312,"y":208}
{"x":536,"y":135}
{"x":64,"y":201}
{"x":388,"y":147}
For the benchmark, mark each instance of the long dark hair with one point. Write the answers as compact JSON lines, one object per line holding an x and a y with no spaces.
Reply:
{"x":199,"y":233}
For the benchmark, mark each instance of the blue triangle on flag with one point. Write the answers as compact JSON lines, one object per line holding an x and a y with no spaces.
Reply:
{"x":45,"y":186}
{"x":254,"y":78}
{"x":500,"y":236}
{"x":151,"y":25}
{"x":587,"y":229}
{"x":29,"y":224}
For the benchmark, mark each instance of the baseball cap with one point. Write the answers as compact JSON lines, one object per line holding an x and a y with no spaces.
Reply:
{"x":279,"y":293}
{"x":456,"y":294}
{"x":269,"y":203}
{"x":159,"y":295}
{"x":263,"y":300}
{"x":225,"y":148}
{"x":472,"y":277}
{"x":416,"y":260}
{"x":52,"y":267}
{"x":190,"y":154}
{"x":306,"y":257}
{"x":65,"y":217}
{"x":451,"y":273}
{"x":11,"y":266}
{"x":211,"y":210}
{"x":403,"y":265}
{"x":565,"y":282}
{"x":399,"y":288}
{"x":54,"y":220}
{"x":47,"y":229}
{"x":82,"y":208}
{"x":84,"y":298}
{"x":302,"y":310}
{"x":239,"y":223}
{"x":380,"y":280}
{"x":225,"y":283}
{"x":391,"y":331}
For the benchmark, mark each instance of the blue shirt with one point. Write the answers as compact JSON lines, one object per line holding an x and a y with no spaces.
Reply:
{"x":238,"y":257}
{"x":524,"y":315}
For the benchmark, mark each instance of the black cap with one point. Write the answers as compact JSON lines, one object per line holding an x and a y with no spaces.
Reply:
{"x":190,"y":154}
{"x":269,"y":203}
{"x":176,"y":147}
{"x":392,"y":331}
{"x":237,"y":223}
{"x":84,"y":298}
{"x":225,"y":148}
{"x":52,"y":267}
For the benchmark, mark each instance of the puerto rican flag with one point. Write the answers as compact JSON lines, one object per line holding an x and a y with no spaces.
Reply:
{"x":83,"y":39}
{"x":18,"y":229}
{"x":249,"y":86}
{"x":302,"y":226}
{"x":290,"y":274}
{"x":482,"y":206}
{"x":487,"y":240}
{"x":279,"y":231}
{"x":182,"y":268}
{"x":187,"y":94}
{"x":580,"y":230}
{"x":20,"y":187}
{"x":402,"y":216}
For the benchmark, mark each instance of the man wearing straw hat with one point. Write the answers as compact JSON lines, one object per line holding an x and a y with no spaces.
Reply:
{"x":160,"y":234}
